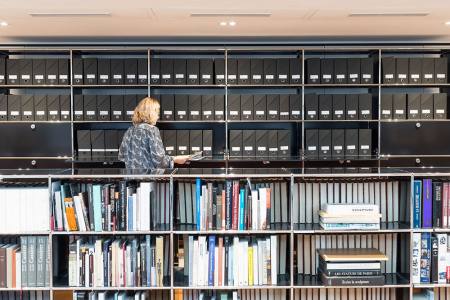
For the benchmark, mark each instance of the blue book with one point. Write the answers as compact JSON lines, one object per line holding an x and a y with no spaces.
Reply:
{"x":130,"y":213}
{"x":427,"y":204}
{"x":212,"y":247}
{"x":198,"y":192}
{"x":425,"y":257}
{"x":417,"y":215}
{"x":148,"y":262}
{"x":241,"y":209}
{"x":106,"y":270}
{"x":97,"y":195}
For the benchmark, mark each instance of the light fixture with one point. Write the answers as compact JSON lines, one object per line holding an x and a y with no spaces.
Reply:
{"x":232,"y":23}
{"x":223,"y":23}
{"x":3,"y":23}
{"x":70,"y":14}
{"x":447,"y":23}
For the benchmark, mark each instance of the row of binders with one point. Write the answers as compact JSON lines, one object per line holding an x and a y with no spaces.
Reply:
{"x":234,"y":261}
{"x":99,"y":144}
{"x":25,"y":263}
{"x":119,"y":262}
{"x":232,"y":205}
{"x":119,"y":206}
{"x":24,"y":209}
{"x":34,"y":71}
{"x":326,"y":144}
{"x":414,"y":70}
{"x":340,"y":70}
{"x":338,"y":107}
{"x":24,"y":295}
{"x":248,"y":144}
{"x":253,"y":294}
{"x":34,"y":107}
{"x":122,"y":295}
{"x":431,"y":204}
{"x":413,"y":106}
{"x":191,"y":107}
{"x":430,"y":258}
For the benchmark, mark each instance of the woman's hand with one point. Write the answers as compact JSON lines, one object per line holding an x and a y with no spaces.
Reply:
{"x":181,"y":159}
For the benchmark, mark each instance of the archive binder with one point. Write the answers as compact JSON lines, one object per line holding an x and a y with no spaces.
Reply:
{"x":367,"y":73}
{"x":399,"y":106}
{"x":207,"y":107}
{"x":2,"y":70}
{"x":39,"y":71}
{"x":90,"y":107}
{"x":243,"y":71}
{"x":90,"y":70}
{"x":195,"y":141}
{"x":219,"y":107}
{"x":261,"y":144}
{"x":441,"y":69}
{"x":284,"y":143}
{"x":337,"y":143}
{"x":325,"y":107}
{"x":440,"y":105}
{"x":14,"y":112}
{"x":167,"y":107}
{"x":13,"y":71}
{"x":351,"y":107}
{"x":365,"y":143}
{"x":117,"y":71}
{"x":54,"y":108}
{"x":295,"y":70}
{"x":365,"y":106}
{"x":284,"y":107}
{"x":295,"y":106}
{"x":428,"y":70}
{"x":40,"y":107}
{"x":142,"y":71}
{"x":426,"y":106}
{"x":84,"y":144}
{"x":232,"y":71}
{"x":338,"y":107}
{"x":206,"y":71}
{"x":386,"y":109}
{"x":259,"y":107}
{"x":256,"y":71}
{"x":340,"y":70}
{"x":270,"y":70}
{"x":64,"y":103}
{"x":182,"y":142}
{"x":104,"y":71}
{"x":3,"y":107}
{"x":207,"y":143}
{"x":63,"y":71}
{"x":77,"y":71}
{"x":117,"y":108}
{"x":234,"y":107}
{"x":324,"y":144}
{"x":155,"y":71}
{"x":354,"y":70}
{"x":219,"y":70}
{"x":388,"y":69}
{"x":236,"y":143}
{"x":26,"y":71}
{"x":98,"y":144}
{"x":27,"y":110}
{"x":283,"y":70}
{"x":192,"y":71}
{"x":327,"y":70}
{"x":311,"y":143}
{"x":78,"y":107}
{"x":103,"y":107}
{"x":179,"y":71}
{"x":402,"y":71}
{"x":51,"y":71}
{"x":414,"y":106}
{"x":195,"y":107}
{"x":129,"y":104}
{"x":248,"y":144}
{"x":273,"y":107}
{"x":130,"y":70}
{"x":311,"y":107}
{"x":313,"y":70}
{"x":415,"y":70}
{"x":181,"y":107}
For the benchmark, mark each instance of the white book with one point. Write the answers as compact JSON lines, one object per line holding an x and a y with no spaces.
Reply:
{"x":295,"y":203}
{"x":308,"y":203}
{"x":322,"y":294}
{"x":300,"y":269}
{"x":330,"y":192}
{"x":359,"y":293}
{"x":366,"y":190}
{"x":18,"y":264}
{"x":337,"y":294}
{"x":337,"y":192}
{"x":316,"y":201}
{"x":442,"y":257}
{"x":333,"y":208}
{"x":382,"y":248}
{"x":144,"y":198}
{"x":302,"y":199}
{"x":260,"y":262}
{"x":236,"y":261}
{"x":275,"y":195}
{"x":216,"y":266}
{"x":372,"y":192}
{"x":307,"y":258}
{"x":79,"y":213}
{"x":244,"y":249}
{"x":3,"y":209}
{"x":358,"y":192}
{"x":352,"y":294}
{"x":315,"y":294}
{"x":274,"y":258}
{"x":195,"y":264}
{"x":255,"y":209}
{"x":377,"y":201}
{"x":390,"y":202}
{"x":255,"y":265}
{"x":344,"y":294}
{"x":349,"y":193}
{"x":323,"y":195}
{"x":395,"y":194}
{"x":284,"y":203}
{"x":389,"y":242}
{"x":384,"y":205}
{"x":315,"y":243}
{"x":136,"y":209}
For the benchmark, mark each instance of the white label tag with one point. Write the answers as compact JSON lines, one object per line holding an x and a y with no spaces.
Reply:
{"x":340,"y":76}
{"x":325,"y":112}
{"x":415,"y":76}
{"x":311,"y":112}
{"x":402,"y":76}
{"x":2,"y":77}
{"x":117,"y":113}
{"x":182,"y":148}
{"x":117,"y":76}
{"x":284,"y":113}
{"x":270,"y":77}
{"x":261,"y":148}
{"x":90,"y":113}
{"x":313,"y":77}
{"x":53,"y":112}
{"x":440,"y":111}
{"x":53,"y":77}
{"x":312,"y":148}
{"x":247,"y":112}
{"x":273,"y":149}
{"x":154,"y":76}
{"x":130,"y":112}
{"x":248,"y":148}
{"x":353,"y":76}
{"x":220,"y":76}
{"x":282,"y":76}
{"x":389,"y":76}
{"x":440,"y":76}
{"x":195,"y":113}
{"x":78,"y":113}
{"x":325,"y":148}
{"x":399,"y":111}
{"x":259,"y":113}
{"x":235,"y":148}
{"x":179,"y":76}
{"x":167,"y":112}
{"x":12,"y":77}
{"x":244,"y":76}
{"x":413,"y":111}
{"x":298,"y":76}
{"x":206,"y":76}
{"x":273,"y":112}
{"x":131,"y":76}
{"x":295,"y":112}
{"x":385,"y":112}
{"x":65,"y":112}
{"x":231,"y":76}
{"x":284,"y":148}
{"x":426,"y":111}
{"x":195,"y":148}
{"x":165,"y":76}
{"x":193,"y":76}
{"x":26,"y":77}
{"x":428,"y":76}
{"x":352,"y":112}
{"x":104,"y":77}
{"x":233,"y":113}
{"x":27,"y":113}
{"x":40,"y":113}
{"x":88,"y":76}
{"x":326,"y":76}
{"x":104,"y":113}
{"x":368,"y":76}
{"x":63,"y":77}
{"x":337,"y":147}
{"x":351,"y":147}
{"x":365,"y":112}
{"x":181,"y":112}
{"x":207,"y":148}
{"x":169,"y":148}
{"x":78,"y":76}
{"x":14,"y":113}
{"x":339,"y":112}
{"x":142,"y":76}
{"x":256,"y":77}
{"x":39,"y":77}
{"x":364,"y":147}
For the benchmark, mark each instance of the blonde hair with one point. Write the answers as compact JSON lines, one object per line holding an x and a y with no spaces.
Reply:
{"x":143,"y":111}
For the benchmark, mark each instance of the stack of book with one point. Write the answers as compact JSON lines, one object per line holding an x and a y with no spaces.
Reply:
{"x":351,"y":267}
{"x":350,"y":217}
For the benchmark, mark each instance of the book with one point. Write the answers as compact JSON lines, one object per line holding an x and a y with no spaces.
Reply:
{"x":427,"y":202}
{"x":425,"y":257}
{"x":349,"y":226}
{"x":417,"y":213}
{"x":341,"y":208}
{"x":349,"y":255}
{"x":352,"y":280}
{"x":416,"y":257}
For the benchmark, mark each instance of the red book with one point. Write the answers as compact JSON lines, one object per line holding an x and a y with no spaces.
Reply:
{"x":235,"y":205}
{"x":444,"y":205}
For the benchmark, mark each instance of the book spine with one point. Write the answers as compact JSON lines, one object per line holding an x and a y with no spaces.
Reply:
{"x":442,"y":257}
{"x":31,"y":261}
{"x":215,"y":209}
{"x":226,"y":260}
{"x":40,"y":261}
{"x":427,"y":220}
{"x":198,"y":189}
{"x":425,"y":258}
{"x":241,"y":209}
{"x":235,"y":207}
{"x":353,"y":281}
{"x":417,"y":204}
{"x":434,"y":259}
{"x":212,"y":245}
{"x":351,"y":273}
{"x":444,"y":204}
{"x":224,"y":211}
{"x":2,"y":267}
{"x":416,"y":256}
{"x":228,"y":205}
{"x":437,"y":204}
{"x":268,"y":208}
{"x":120,"y":205}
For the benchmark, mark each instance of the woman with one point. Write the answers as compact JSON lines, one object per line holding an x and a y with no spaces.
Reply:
{"x":141,"y":146}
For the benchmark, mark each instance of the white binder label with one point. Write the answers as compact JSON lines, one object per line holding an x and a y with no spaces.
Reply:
{"x":14,"y":113}
{"x":53,"y":112}
{"x":195,"y":148}
{"x":284,"y":113}
{"x":428,"y":76}
{"x":440,"y":76}
{"x":389,"y":76}
{"x":337,"y":147}
{"x":415,"y":76}
{"x":130,"y":112}
{"x":261,"y":148}
{"x":340,"y":76}
{"x":244,"y":76}
{"x":413,"y":111}
{"x":426,"y":111}
{"x":339,"y":112}
{"x":351,"y":147}
{"x":219,"y":112}
{"x":167,"y":112}
{"x":311,"y":112}
{"x":325,"y":148}
{"x":104,"y":77}
{"x":195,"y":112}
{"x":233,"y":113}
{"x":104,"y":113}
{"x":326,"y":76}
{"x":222,"y":76}
{"x":142,"y":77}
{"x":368,"y":76}
{"x":270,"y":77}
{"x":166,"y":76}
{"x":117,"y":112}
{"x":53,"y":77}
{"x":365,"y":112}
{"x":2,"y":77}
{"x":193,"y":76}
{"x":63,"y":77}
{"x":40,"y":113}
{"x":131,"y":76}
{"x":256,"y":77}
{"x":89,"y":113}
{"x":284,"y":148}
{"x":26,"y":77}
{"x":402,"y":76}
{"x":3,"y":113}
{"x":385,"y":112}
{"x":179,"y":76}
{"x":295,"y":112}
{"x":78,"y":113}
{"x":88,"y":76}
{"x":364,"y":147}
{"x":65,"y":112}
{"x":312,"y":148}
{"x":273,"y":149}
{"x":154,"y":76}
{"x":207,"y":148}
{"x":248,"y":148}
{"x":259,"y":113}
{"x":12,"y":77}
{"x":181,"y":113}
{"x":273,"y":112}
{"x":235,"y":148}
{"x":182,"y":148}
{"x":27,"y":113}
{"x":282,"y":76}
{"x":296,"y":76}
{"x":39,"y":77}
{"x":352,"y":112}
{"x":246,"y":112}
{"x":440,"y":111}
{"x":325,"y":112}
{"x":206,"y":76}
{"x":231,"y":76}
{"x":399,"y":111}
{"x":117,"y":76}
{"x":78,"y":76}
{"x":169,"y":148}
{"x":313,"y":77}
{"x":353,"y":76}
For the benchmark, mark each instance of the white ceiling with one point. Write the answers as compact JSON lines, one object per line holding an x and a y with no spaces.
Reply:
{"x":164,"y":18}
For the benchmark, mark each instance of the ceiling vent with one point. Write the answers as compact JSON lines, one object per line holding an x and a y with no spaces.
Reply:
{"x":68,"y":15}
{"x":389,"y":14}
{"x":231,"y":15}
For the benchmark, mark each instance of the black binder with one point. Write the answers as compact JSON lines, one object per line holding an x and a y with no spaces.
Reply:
{"x":284,"y":107}
{"x":26,"y":71}
{"x":243,"y":71}
{"x":51,"y":71}
{"x":235,"y":144}
{"x":272,"y":140}
{"x":273,"y":107}
{"x":170,"y":142}
{"x":182,"y":142}
{"x":77,"y":71}
{"x":414,"y":106}
{"x":386,"y":110}
{"x":13,"y":71}
{"x":40,"y":107}
{"x":195,"y":107}
{"x":340,"y":70}
{"x":129,"y":104}
{"x":206,"y":71}
{"x":365,"y":143}
{"x":167,"y":107}
{"x":339,"y":107}
{"x":117,"y":71}
{"x":111,"y":142}
{"x":166,"y":71}
{"x":155,"y":71}
{"x":27,"y":109}
{"x":192,"y":71}
{"x":142,"y":71}
{"x":311,"y":144}
{"x":311,"y":107}
{"x":78,"y":107}
{"x":117,"y":111}
{"x":4,"y":107}
{"x":90,"y":107}
{"x":351,"y":143}
{"x":440,"y":105}
{"x":388,"y":69}
{"x":313,"y":70}
{"x":232,"y":71}
{"x":428,"y":70}
{"x":351,"y":107}
{"x":103,"y":107}
{"x":354,"y":70}
{"x":295,"y":70}
{"x":415,"y":70}
{"x":327,"y":70}
{"x":98,"y":145}
{"x":39,"y":71}
{"x":54,"y":108}
{"x":283,"y":70}
{"x":179,"y":71}
{"x":247,"y":107}
{"x":63,"y":71}
{"x":219,"y":70}
{"x":195,"y":141}
{"x":426,"y":106}
{"x":207,"y":143}
{"x":257,"y":71}
{"x":2,"y":70}
{"x":324,"y":144}
{"x":64,"y":103}
{"x":234,"y":107}
{"x":367,"y":73}
{"x":248,"y":144}
{"x":261,"y":144}
{"x":207,"y":107}
{"x":130,"y":70}
{"x":181,"y":107}
{"x":84,"y":144}
{"x":337,"y":143}
{"x":399,"y":106}
{"x":14,"y":109}
{"x":270,"y":70}
{"x":90,"y":71}
{"x":441,"y":70}
{"x":284,"y":143}
{"x":104,"y":71}
{"x":295,"y":104}
{"x":365,"y":106}
{"x":325,"y":107}
{"x":219,"y":107}
{"x":402,"y":70}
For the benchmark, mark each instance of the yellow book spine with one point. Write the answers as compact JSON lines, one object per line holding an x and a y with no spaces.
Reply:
{"x":250,"y":265}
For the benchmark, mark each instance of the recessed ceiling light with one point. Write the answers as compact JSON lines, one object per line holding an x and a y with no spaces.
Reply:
{"x":232,"y":23}
{"x":3,"y":24}
{"x":223,"y":23}
{"x":447,"y":23}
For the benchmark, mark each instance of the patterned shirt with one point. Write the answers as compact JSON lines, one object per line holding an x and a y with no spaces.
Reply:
{"x":143,"y":149}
